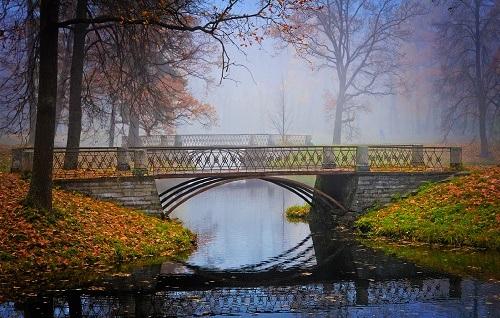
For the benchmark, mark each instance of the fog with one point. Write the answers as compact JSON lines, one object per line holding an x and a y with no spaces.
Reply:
{"x":251,"y":92}
{"x":246,"y":102}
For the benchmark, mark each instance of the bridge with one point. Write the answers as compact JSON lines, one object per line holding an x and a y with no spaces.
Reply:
{"x":210,"y":140}
{"x":351,"y":177}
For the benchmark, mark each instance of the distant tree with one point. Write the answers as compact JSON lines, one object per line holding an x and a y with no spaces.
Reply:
{"x":281,"y":118}
{"x":359,"y":39}
{"x":469,"y":83}
{"x":19,"y":26}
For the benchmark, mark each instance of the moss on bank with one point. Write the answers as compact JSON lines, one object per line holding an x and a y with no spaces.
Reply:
{"x":80,"y":234}
{"x":298,"y":213}
{"x":462,"y":212}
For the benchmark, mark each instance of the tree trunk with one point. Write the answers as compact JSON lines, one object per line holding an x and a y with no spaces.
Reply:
{"x":62,"y":82}
{"x":40,"y":192}
{"x":337,"y":126}
{"x":75,"y":89}
{"x":480,"y":91}
{"x":112,"y":125}
{"x":31,"y":73}
{"x":482,"y":129}
{"x":133,"y":130}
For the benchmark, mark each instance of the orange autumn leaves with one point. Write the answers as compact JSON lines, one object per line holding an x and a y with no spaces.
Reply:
{"x":81,"y":232}
{"x":464,"y":211}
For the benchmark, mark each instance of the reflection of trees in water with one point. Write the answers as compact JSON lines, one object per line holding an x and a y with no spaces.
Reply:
{"x":339,"y":297}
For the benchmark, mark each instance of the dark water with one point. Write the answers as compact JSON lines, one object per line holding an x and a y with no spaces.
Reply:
{"x":251,"y":261}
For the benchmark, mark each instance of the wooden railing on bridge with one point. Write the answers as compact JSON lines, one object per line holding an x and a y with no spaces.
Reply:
{"x":178,"y":161}
{"x":225,"y":140}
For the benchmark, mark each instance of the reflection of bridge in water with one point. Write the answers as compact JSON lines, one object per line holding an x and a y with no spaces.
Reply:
{"x":338,"y":277}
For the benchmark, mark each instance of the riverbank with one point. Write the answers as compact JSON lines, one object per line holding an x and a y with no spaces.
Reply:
{"x":81,"y":234}
{"x":462,"y":212}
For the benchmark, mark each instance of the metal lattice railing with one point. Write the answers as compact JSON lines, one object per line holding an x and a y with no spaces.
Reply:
{"x":91,"y":162}
{"x":252,"y":159}
{"x":224,"y":140}
{"x":419,"y":158}
{"x":100,"y":162}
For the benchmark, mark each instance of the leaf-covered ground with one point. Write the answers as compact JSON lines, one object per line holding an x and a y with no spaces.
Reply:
{"x":81,"y":233}
{"x":462,"y":212}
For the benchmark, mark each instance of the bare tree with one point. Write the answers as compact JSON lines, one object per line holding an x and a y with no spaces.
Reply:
{"x":359,"y":39}
{"x":18,"y":69}
{"x":468,"y":44}
{"x":281,"y":119}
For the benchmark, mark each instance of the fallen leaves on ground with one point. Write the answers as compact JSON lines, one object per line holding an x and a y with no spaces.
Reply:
{"x":463,"y":211}
{"x":79,"y":233}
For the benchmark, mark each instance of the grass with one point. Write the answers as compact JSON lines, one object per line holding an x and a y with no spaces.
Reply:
{"x":309,"y":180}
{"x":462,"y":212}
{"x":5,"y":158}
{"x":298,"y":213}
{"x":81,"y":234}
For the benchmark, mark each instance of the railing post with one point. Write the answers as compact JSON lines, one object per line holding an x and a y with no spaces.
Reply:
{"x":270,"y":141}
{"x":308,"y":140}
{"x":17,"y":157}
{"x":252,"y":142}
{"x":178,"y":141}
{"x":328,"y":158}
{"x":417,"y":155}
{"x":140,"y":161}
{"x":27,"y":160}
{"x":164,"y":140}
{"x":362,"y":159}
{"x":456,"y":158}
{"x":122,"y":160}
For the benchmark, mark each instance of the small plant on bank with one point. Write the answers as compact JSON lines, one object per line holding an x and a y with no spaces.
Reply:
{"x":139,"y":172}
{"x":297,"y":213}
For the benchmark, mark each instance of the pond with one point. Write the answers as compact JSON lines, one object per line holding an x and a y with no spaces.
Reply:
{"x":250,"y":260}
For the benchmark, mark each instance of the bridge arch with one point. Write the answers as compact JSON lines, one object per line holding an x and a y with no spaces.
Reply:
{"x":173,"y":197}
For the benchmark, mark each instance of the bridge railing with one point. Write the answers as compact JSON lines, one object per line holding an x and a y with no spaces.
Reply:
{"x":252,"y":159}
{"x":224,"y":140}
{"x":100,"y":162}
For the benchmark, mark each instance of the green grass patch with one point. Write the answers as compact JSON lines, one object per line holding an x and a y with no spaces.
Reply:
{"x":5,"y":159}
{"x":461,"y":212}
{"x":309,"y":180}
{"x":298,"y":213}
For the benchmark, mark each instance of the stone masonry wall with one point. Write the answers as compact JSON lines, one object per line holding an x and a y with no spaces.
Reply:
{"x":133,"y":192}
{"x":362,"y":190}
{"x":380,"y":188}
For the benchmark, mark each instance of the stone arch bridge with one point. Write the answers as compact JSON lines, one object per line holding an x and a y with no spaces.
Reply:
{"x":350,"y":178}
